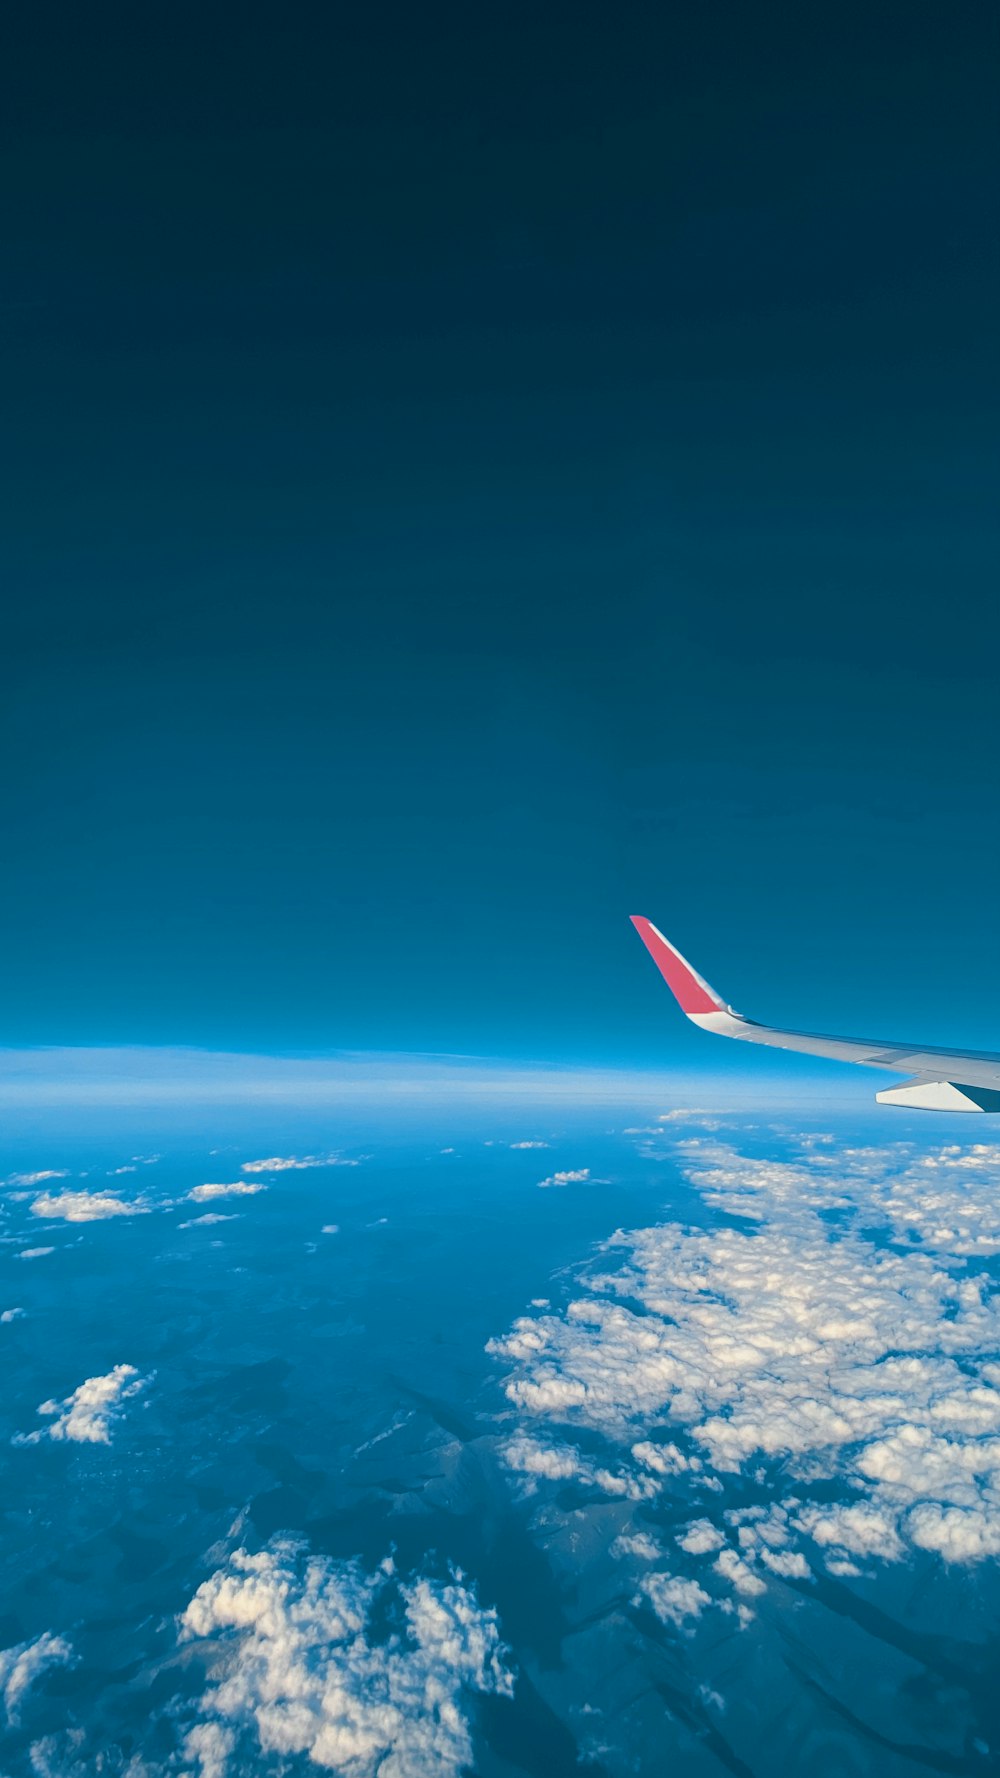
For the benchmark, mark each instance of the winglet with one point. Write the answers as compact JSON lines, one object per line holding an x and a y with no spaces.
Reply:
{"x":689,"y":989}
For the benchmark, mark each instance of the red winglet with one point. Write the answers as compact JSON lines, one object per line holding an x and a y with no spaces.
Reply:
{"x":692,"y":994}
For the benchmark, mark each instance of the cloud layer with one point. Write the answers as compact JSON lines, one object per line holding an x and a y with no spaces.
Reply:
{"x":294,"y":1163}
{"x":36,"y":1178}
{"x":238,"y":1188}
{"x":834,"y":1331}
{"x":82,"y":1206}
{"x":87,"y":1416}
{"x":26,"y":1662}
{"x":297,"y":1667}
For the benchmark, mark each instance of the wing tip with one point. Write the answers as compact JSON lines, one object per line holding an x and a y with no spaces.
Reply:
{"x":690,"y":990}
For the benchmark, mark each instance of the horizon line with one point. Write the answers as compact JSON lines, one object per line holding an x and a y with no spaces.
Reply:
{"x":168,"y":1073}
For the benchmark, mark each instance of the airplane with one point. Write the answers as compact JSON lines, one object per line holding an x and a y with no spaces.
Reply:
{"x":941,"y":1079}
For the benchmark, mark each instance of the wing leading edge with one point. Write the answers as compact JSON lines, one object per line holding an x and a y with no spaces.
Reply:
{"x":941,"y":1079}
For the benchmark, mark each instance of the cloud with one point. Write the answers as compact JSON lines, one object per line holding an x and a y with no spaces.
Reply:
{"x":832,"y":1333}
{"x":684,"y":1114}
{"x":299,"y":1668}
{"x":209,"y":1745}
{"x":210,"y":1216}
{"x":733,"y":1568}
{"x":330,"y":1228}
{"x":556,"y":1462}
{"x":87,"y":1416}
{"x":673,"y":1599}
{"x":789,"y":1564}
{"x":860,"y":1529}
{"x":11,"y":1314}
{"x":636,"y":1543}
{"x":700,"y":1538}
{"x":529,"y":1145}
{"x":294,"y":1163}
{"x":573,"y":1176}
{"x":21,"y":1665}
{"x":527,"y":1455}
{"x":956,"y":1533}
{"x":34,"y":1252}
{"x":37,"y":1178}
{"x":185,"y":1079}
{"x":82,"y":1207}
{"x":202,"y":1194}
{"x":664,"y":1459}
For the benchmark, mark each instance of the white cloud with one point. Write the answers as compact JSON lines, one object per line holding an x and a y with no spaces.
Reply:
{"x":701,"y":1538}
{"x":82,"y":1207}
{"x":836,"y":1332}
{"x":674,"y":1599}
{"x":571,"y":1176}
{"x":956,"y":1533}
{"x":530,"y":1145}
{"x":11,"y":1314}
{"x":760,"y":1528}
{"x":636,"y":1543}
{"x":529,"y":1457}
{"x":860,"y":1529}
{"x":296,"y":1669}
{"x":840,"y":1566}
{"x":37,"y":1178}
{"x":27,"y":1661}
{"x":693,"y":1114}
{"x":790,"y":1564}
{"x":238,"y":1188}
{"x":34,"y":1252}
{"x":664,"y":1459}
{"x":733,"y":1568}
{"x":209,"y":1746}
{"x":628,"y":1487}
{"x":330,"y":1228}
{"x":294,"y":1163}
{"x":210,"y":1216}
{"x":86,"y":1416}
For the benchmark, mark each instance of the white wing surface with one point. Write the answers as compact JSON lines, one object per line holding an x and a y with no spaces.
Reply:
{"x":941,"y":1079}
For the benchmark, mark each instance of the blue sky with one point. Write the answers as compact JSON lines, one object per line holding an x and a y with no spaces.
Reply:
{"x":471,"y":480}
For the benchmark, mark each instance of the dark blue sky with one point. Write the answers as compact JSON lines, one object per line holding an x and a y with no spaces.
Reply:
{"x":470,"y":476}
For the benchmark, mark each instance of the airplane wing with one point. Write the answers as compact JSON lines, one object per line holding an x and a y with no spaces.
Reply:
{"x":942,"y":1079}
